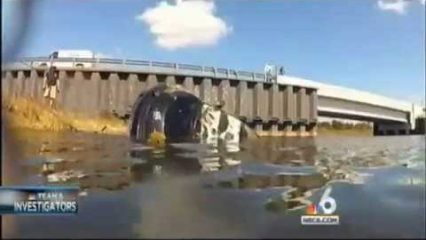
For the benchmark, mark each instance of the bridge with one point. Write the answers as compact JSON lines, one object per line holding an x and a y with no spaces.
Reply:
{"x":289,"y":107}
{"x":389,"y":115}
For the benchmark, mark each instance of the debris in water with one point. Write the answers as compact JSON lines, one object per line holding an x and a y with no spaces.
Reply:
{"x":274,"y":205}
{"x":50,"y":165}
{"x":289,"y":201}
{"x":54,"y":160}
{"x":44,"y":148}
{"x":65,"y":176}
{"x":232,"y":162}
{"x":286,"y":149}
{"x":157,"y":139}
{"x":62,"y":149}
{"x":104,"y":128}
{"x":139,"y":147}
{"x":82,"y":194}
{"x":157,"y":170}
{"x":75,"y":149}
{"x":297,"y":162}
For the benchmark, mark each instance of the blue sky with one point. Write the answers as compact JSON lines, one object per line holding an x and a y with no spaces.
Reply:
{"x":364,"y":44}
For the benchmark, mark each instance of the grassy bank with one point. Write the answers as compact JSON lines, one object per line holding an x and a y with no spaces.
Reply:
{"x":30,"y":114}
{"x":339,"y":128}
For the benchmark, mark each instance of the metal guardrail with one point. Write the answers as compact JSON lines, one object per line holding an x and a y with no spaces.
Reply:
{"x":166,"y":66}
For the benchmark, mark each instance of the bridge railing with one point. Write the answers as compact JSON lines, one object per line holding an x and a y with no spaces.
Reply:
{"x":154,"y":66}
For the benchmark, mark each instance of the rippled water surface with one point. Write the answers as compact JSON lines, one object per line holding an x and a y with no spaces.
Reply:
{"x":256,"y":190}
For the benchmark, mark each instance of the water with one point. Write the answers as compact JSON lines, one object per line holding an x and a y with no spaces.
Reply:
{"x":257,"y":190}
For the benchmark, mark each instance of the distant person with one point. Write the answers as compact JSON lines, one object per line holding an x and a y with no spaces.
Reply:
{"x":267,"y":72}
{"x":51,"y":86}
{"x":282,"y":72}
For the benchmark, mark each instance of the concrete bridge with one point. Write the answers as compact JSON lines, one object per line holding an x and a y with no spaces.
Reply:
{"x":289,"y":107}
{"x":390,"y":116}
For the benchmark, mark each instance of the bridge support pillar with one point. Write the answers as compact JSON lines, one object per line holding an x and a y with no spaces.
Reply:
{"x":420,"y":126}
{"x":274,"y":129}
{"x":301,"y":130}
{"x":205,"y":92}
{"x":151,"y":81}
{"x":258,"y":101}
{"x":312,"y":129}
{"x":313,"y":105}
{"x":75,"y":95}
{"x":259,"y":127}
{"x":5,"y":83}
{"x":170,"y":80}
{"x":33,"y":83}
{"x":225,"y":96}
{"x":289,"y":108}
{"x":62,"y":77}
{"x":288,"y":129}
{"x":95,"y":78}
{"x":391,"y":128}
{"x":241,"y":105}
{"x":134,"y":91}
{"x":188,"y":84}
{"x":114,"y":88}
{"x":274,"y":103}
{"x":20,"y":84}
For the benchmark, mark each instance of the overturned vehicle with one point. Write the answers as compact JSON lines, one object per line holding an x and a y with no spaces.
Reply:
{"x":167,"y":114}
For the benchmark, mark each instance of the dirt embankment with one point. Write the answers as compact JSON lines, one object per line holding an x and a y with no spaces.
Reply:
{"x":31,"y":114}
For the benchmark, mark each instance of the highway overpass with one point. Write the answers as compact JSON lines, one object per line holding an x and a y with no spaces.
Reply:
{"x":288,"y":108}
{"x":348,"y":103}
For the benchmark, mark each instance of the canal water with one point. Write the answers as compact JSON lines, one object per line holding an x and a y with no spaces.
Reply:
{"x":257,"y":190}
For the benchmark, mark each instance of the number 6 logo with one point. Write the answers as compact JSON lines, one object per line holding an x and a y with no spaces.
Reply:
{"x":327,"y":204}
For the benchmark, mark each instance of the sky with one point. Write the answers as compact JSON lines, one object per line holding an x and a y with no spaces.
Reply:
{"x":372,"y":45}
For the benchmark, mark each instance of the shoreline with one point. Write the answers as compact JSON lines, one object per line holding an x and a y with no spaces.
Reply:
{"x":27,"y":114}
{"x":345,"y":132}
{"x":20,"y":129}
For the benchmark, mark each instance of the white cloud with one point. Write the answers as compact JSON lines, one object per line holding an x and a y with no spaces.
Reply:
{"x":185,"y":24}
{"x":397,"y":6}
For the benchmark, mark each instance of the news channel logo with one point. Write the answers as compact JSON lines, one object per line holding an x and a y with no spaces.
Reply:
{"x":323,"y":212}
{"x":37,"y":200}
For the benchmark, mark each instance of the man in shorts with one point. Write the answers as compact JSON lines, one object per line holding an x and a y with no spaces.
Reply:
{"x":51,"y":86}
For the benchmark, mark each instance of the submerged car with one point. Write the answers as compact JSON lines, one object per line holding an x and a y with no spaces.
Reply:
{"x":171,"y":114}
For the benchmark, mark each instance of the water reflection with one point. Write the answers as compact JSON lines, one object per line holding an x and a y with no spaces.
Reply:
{"x":90,"y":167}
{"x":284,"y":163}
{"x":293,"y":151}
{"x":223,"y":185}
{"x":260,"y":164}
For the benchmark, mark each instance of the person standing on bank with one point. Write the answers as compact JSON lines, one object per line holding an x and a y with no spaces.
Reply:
{"x":51,"y":86}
